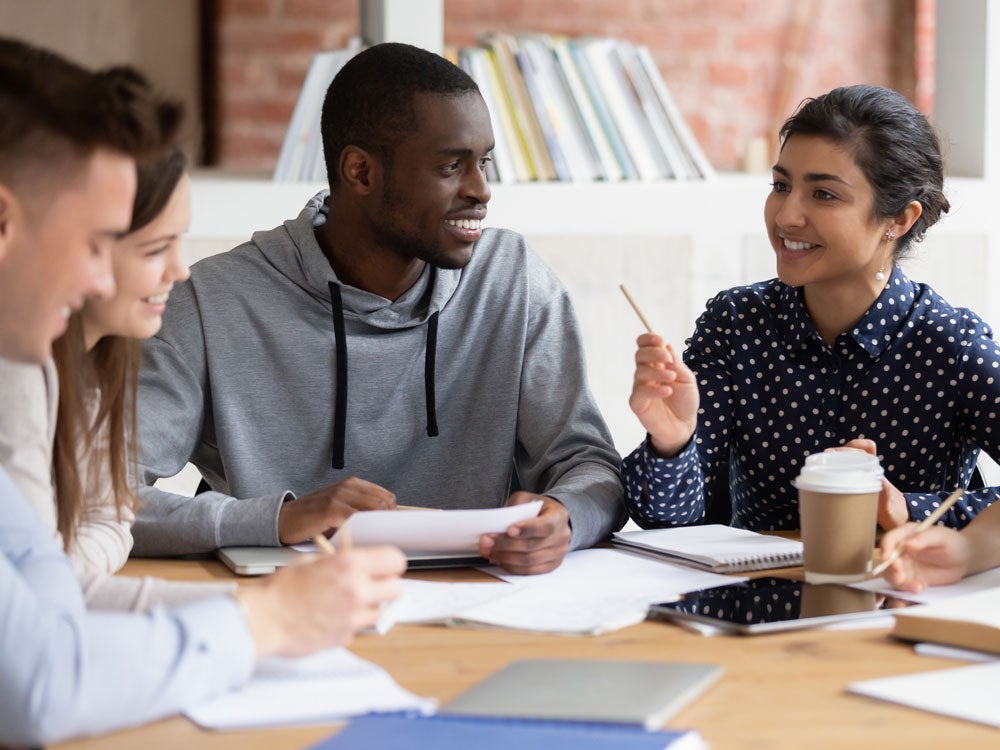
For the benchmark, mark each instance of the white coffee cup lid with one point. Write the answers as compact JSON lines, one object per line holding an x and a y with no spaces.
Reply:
{"x":839,"y":480}
{"x":838,"y":459}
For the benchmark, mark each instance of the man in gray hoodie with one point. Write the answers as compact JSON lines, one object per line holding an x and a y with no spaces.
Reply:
{"x":381,"y":345}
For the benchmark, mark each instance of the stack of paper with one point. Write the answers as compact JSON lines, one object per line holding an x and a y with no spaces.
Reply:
{"x":594,"y":591}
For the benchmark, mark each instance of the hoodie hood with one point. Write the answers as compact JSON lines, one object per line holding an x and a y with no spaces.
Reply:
{"x":307,"y":267}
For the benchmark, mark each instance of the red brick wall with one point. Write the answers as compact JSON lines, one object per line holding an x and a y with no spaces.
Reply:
{"x":725,"y":61}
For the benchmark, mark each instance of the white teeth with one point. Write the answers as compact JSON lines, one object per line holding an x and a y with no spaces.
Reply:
{"x":159,"y":299}
{"x":464,"y":223}
{"x":798,"y":245}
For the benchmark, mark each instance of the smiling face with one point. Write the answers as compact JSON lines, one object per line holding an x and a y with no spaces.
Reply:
{"x":55,"y":252}
{"x":146,"y":264}
{"x":434,"y":194}
{"x":820,"y":218}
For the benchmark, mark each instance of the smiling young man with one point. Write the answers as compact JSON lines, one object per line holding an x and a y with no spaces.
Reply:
{"x":382,"y":345}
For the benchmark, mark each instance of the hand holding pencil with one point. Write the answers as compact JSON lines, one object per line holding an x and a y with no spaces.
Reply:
{"x":918,"y":555}
{"x":664,"y":391}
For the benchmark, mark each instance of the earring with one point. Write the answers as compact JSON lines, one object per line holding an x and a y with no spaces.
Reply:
{"x":889,"y":235}
{"x":880,"y":276}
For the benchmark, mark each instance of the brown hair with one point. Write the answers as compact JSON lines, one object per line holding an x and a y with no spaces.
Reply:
{"x":56,"y":114}
{"x":110,"y":371}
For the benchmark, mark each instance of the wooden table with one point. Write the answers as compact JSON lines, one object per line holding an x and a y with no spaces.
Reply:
{"x":778,"y":691}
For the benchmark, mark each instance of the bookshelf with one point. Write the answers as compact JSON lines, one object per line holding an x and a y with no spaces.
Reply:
{"x":676,"y":243}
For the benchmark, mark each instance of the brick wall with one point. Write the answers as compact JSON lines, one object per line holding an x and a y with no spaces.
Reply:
{"x":731,"y":64}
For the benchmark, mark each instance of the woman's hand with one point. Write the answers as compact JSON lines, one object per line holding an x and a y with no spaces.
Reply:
{"x":664,"y":395}
{"x":892,"y":510}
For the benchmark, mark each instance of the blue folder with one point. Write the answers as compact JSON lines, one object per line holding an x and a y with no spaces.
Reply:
{"x":446,"y":733}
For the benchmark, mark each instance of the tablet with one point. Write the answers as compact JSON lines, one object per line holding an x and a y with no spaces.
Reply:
{"x":258,"y":561}
{"x":771,"y":605}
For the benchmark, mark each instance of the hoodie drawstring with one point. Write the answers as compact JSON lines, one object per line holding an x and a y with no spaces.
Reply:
{"x":340,"y":405}
{"x":429,"y":357}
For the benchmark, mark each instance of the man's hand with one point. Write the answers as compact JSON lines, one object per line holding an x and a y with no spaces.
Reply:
{"x":537,"y":545}
{"x":319,"y":602}
{"x":664,"y":395}
{"x":325,"y":510}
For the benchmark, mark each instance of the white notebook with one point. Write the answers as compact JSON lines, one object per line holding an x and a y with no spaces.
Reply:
{"x":722,"y":549}
{"x":966,"y":692}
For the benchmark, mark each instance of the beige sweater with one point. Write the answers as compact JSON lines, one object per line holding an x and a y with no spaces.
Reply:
{"x":29,"y":398}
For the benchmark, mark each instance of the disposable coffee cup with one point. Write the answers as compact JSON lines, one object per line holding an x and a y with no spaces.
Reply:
{"x":824,"y":599}
{"x":838,"y":512}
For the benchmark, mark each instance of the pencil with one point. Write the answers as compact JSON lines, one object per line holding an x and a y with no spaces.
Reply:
{"x":324,"y":545}
{"x":921,"y":527}
{"x":635,"y":307}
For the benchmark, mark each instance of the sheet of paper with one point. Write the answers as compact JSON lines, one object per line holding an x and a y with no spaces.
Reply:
{"x":988,"y":579}
{"x":433,"y":602}
{"x":593,"y":591}
{"x":444,"y":531}
{"x":966,"y":692}
{"x":328,"y":686}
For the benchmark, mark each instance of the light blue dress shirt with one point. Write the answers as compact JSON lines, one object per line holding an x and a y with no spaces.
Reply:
{"x":65,"y":672}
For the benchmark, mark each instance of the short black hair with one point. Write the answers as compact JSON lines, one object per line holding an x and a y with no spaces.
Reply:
{"x":370,"y":102}
{"x":892,"y":143}
{"x":54,"y":111}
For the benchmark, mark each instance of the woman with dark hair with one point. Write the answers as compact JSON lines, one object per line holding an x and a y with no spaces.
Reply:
{"x":841,"y":349}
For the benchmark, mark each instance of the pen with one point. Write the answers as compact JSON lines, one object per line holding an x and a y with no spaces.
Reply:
{"x":921,"y":527}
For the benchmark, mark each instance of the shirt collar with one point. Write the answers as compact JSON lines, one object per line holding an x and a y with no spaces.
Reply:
{"x":873,"y":333}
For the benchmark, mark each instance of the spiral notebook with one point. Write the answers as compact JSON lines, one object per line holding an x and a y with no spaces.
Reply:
{"x":721,"y":549}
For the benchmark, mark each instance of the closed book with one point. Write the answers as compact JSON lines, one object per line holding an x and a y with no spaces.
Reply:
{"x":502,"y":46}
{"x":301,"y":156}
{"x":541,"y":101}
{"x":603,"y":112}
{"x":610,"y":166}
{"x":970,"y":621}
{"x":721,"y":549}
{"x":693,"y":151}
{"x":564,"y":116}
{"x":650,"y":104}
{"x":446,"y":733}
{"x":516,"y":142}
{"x":473,"y":61}
{"x":637,"y":693}
{"x":625,"y":109}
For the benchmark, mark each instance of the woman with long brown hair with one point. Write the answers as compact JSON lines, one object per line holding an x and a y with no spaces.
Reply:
{"x":69,"y":450}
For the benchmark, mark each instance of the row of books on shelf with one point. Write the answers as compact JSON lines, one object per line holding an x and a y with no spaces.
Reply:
{"x":573,"y":110}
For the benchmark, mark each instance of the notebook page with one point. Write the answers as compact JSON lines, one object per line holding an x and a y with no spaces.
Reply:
{"x":715,"y":544}
{"x":327,"y":686}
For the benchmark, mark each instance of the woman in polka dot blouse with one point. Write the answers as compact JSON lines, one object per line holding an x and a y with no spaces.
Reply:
{"x":840,"y":349}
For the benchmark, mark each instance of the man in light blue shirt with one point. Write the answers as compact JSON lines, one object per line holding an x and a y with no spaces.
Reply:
{"x":68,"y":142}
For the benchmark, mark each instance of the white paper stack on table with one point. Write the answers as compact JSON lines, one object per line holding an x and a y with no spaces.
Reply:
{"x":594,"y":591}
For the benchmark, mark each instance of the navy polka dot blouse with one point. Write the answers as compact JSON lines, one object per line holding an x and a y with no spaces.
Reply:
{"x":919,"y":377}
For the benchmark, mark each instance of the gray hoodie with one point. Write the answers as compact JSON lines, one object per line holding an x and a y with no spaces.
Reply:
{"x":276,"y":380}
